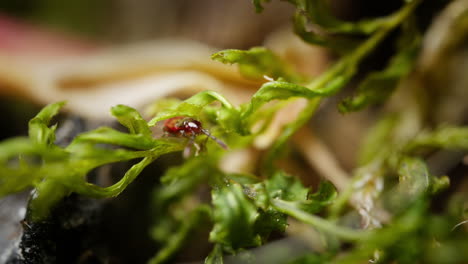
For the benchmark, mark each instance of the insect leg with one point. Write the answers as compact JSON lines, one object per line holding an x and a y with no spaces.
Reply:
{"x":188,"y":148}
{"x":197,"y":146}
{"x":220,"y":143}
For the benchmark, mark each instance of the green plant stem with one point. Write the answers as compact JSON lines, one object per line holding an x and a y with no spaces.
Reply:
{"x":216,"y":255}
{"x":341,"y":201}
{"x":117,"y":188}
{"x":288,"y":131}
{"x":363,"y":50}
{"x":92,"y":190}
{"x":348,"y":65}
{"x":327,"y":83}
{"x":290,"y":209}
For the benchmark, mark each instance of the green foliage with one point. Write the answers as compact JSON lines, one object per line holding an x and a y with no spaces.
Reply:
{"x":414,"y":235}
{"x":56,"y":172}
{"x":131,"y":119}
{"x":330,"y":31}
{"x":317,"y":12}
{"x":247,"y":210}
{"x":233,"y":212}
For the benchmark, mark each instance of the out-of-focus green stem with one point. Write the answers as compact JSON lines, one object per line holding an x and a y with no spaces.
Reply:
{"x":290,"y":209}
{"x":347,"y":66}
{"x":289,"y":130}
{"x":363,"y":50}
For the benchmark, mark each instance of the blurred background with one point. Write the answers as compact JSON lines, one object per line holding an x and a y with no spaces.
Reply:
{"x":224,"y":24}
{"x":218,"y":23}
{"x":96,"y":54}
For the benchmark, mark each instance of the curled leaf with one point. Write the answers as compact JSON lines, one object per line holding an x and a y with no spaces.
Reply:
{"x":257,"y":63}
{"x":131,"y":119}
{"x":318,"y":12}
{"x":39,"y":131}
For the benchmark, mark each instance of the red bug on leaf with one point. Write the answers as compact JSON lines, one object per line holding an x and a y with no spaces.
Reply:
{"x":182,"y":126}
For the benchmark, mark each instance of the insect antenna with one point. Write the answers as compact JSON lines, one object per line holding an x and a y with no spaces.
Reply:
{"x":220,"y":143}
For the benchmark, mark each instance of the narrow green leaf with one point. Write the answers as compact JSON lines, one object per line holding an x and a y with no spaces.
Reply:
{"x":161,"y":105}
{"x":39,"y":131}
{"x":92,"y":190}
{"x":278,"y":91}
{"x":257,"y":63}
{"x":131,"y":119}
{"x":106,"y":135}
{"x":94,"y":155}
{"x":327,"y":84}
{"x":290,"y":208}
{"x":455,"y":138}
{"x":49,"y":112}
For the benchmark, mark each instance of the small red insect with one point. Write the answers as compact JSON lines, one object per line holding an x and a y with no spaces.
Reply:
{"x":182,"y":126}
